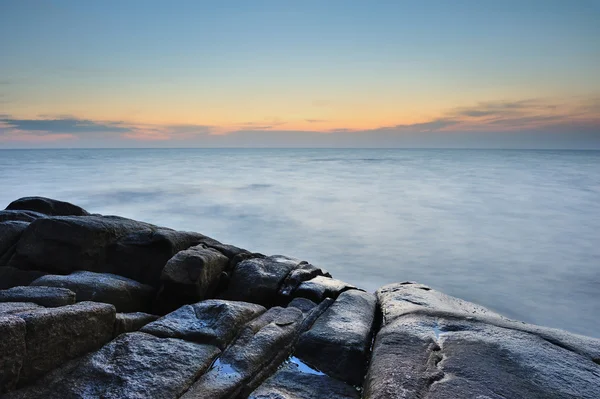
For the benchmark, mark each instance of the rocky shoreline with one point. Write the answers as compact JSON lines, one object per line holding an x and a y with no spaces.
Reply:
{"x":102,"y":306}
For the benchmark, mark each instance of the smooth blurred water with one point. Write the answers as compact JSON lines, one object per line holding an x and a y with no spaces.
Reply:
{"x":516,"y":231}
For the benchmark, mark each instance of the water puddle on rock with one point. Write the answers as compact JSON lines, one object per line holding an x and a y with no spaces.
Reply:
{"x":303,"y":367}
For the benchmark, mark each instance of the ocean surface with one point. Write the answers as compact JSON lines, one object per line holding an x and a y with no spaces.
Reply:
{"x":516,"y":231}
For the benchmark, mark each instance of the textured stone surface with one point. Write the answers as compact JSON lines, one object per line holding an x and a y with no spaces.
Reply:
{"x":190,"y":276}
{"x":125,"y":294}
{"x":212,"y":321}
{"x":55,"y":335}
{"x":47,"y":206}
{"x":12,"y":351}
{"x":293,"y":382}
{"x":130,"y":322}
{"x":257,"y":352}
{"x":338,"y":342}
{"x":303,"y":272}
{"x":321,"y":287}
{"x":7,"y":308}
{"x":10,"y":232}
{"x":22,"y":216}
{"x":13,"y":277}
{"x":258,"y":280}
{"x":45,"y":296}
{"x":134,"y":365}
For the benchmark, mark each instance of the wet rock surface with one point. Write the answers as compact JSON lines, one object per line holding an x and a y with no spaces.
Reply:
{"x":212,"y":321}
{"x":50,"y":297}
{"x":125,"y":294}
{"x":224,"y":333}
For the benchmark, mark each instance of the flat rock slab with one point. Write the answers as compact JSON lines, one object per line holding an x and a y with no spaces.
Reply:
{"x":212,"y":321}
{"x":322,"y":287}
{"x":125,"y":294}
{"x":258,"y":280}
{"x":130,"y":322}
{"x":12,"y":351}
{"x":399,"y":299}
{"x":13,"y":277}
{"x":134,"y":366}
{"x":260,"y":348}
{"x":419,"y":356}
{"x":55,"y":335}
{"x":338,"y":342}
{"x":50,"y":297}
{"x":7,"y":308}
{"x":47,"y":206}
{"x":291,"y":382}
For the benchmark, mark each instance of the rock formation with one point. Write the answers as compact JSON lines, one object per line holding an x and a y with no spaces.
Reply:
{"x":102,"y":306}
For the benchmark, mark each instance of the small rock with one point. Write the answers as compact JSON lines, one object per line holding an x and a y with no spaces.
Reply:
{"x":130,"y":322}
{"x":322,"y":287}
{"x":338,"y":342}
{"x":125,"y":294}
{"x":47,"y":206}
{"x":303,"y":272}
{"x":212,"y":321}
{"x":50,"y":297}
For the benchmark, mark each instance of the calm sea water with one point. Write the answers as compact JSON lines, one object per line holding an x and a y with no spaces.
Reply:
{"x":516,"y":231}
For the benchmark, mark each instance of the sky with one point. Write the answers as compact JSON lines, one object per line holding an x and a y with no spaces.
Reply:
{"x":458,"y":74}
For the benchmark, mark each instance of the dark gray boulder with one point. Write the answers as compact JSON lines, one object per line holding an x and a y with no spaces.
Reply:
{"x":262,"y":345}
{"x":134,"y":366}
{"x":13,"y":277}
{"x":8,"y":308}
{"x":321,"y":287}
{"x":20,"y":216}
{"x":125,"y":294}
{"x":190,"y":276}
{"x":212,"y":321}
{"x":130,"y":322}
{"x":10,"y":232}
{"x":258,"y":280}
{"x":435,"y":346}
{"x":103,"y":244}
{"x":50,"y":297}
{"x":55,"y":335}
{"x":338,"y":342}
{"x":12,"y":351}
{"x":293,"y":382}
{"x":303,"y":272}
{"x":305,"y":305}
{"x":47,"y":206}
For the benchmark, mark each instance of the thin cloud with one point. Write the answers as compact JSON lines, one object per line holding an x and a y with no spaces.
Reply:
{"x":315,"y":120}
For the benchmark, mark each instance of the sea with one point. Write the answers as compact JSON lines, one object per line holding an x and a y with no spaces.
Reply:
{"x":517,"y":231}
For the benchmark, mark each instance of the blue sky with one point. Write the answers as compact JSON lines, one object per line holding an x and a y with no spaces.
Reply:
{"x":189,"y":73}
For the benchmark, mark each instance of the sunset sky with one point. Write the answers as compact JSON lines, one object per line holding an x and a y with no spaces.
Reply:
{"x":307,"y":73}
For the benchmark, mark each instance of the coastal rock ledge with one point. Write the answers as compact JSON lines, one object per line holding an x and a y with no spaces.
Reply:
{"x":96,"y":306}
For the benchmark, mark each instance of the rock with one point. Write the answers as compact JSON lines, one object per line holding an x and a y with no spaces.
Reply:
{"x":190,"y":276}
{"x":400,"y":299}
{"x":305,"y":305}
{"x":321,"y":287}
{"x":130,"y":322}
{"x":258,"y":350}
{"x":20,"y":216}
{"x":143,"y":254}
{"x":125,"y":294}
{"x":303,"y":272}
{"x":258,"y":280}
{"x":435,"y":346}
{"x":13,"y":277}
{"x":63,"y":244}
{"x":425,"y":356}
{"x":292,"y":382}
{"x":134,"y":365}
{"x":56,"y":335}
{"x":12,"y":351}
{"x":213,"y":321}
{"x":338,"y":342}
{"x":10,"y":232}
{"x":47,"y":206}
{"x":8,"y":308}
{"x":50,"y":297}
{"x":230,"y":251}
